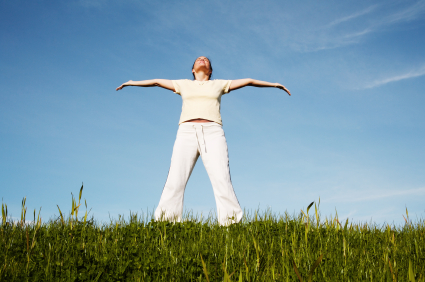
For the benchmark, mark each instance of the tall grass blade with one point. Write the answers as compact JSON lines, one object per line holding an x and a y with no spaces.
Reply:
{"x":309,"y":206}
{"x":316,"y":264}
{"x":226,"y":275}
{"x":61,"y":215}
{"x":317,"y":215}
{"x":296,"y":271}
{"x":257,"y":251}
{"x":98,"y":276}
{"x":73,"y":205}
{"x":411,"y":274}
{"x":81,"y":192}
{"x":204,"y":268}
{"x":391,"y":270}
{"x":3,"y":214}
{"x":23,"y":211}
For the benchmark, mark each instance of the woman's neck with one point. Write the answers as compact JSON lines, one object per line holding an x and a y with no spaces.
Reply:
{"x":201,"y":76}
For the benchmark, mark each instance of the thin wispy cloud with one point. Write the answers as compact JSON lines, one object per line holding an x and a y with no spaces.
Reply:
{"x":334,"y":34}
{"x":296,"y":32}
{"x":352,"y":16}
{"x":407,"y":75}
{"x":381,"y":215}
{"x":357,"y":34}
{"x":408,"y":14}
{"x":377,"y":196}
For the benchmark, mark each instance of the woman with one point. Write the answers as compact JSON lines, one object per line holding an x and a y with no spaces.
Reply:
{"x":200,"y":133}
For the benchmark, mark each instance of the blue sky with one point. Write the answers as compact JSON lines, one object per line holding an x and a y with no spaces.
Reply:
{"x":352,"y":133}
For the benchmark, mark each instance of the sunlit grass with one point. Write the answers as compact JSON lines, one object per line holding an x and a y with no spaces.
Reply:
{"x":263,"y":247}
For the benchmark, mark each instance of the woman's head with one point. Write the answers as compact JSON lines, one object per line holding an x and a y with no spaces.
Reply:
{"x":202,"y":64}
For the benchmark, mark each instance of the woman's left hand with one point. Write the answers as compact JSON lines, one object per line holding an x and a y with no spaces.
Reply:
{"x":280,"y":86}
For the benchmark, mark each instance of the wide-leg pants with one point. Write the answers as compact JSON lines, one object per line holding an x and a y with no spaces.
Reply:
{"x":208,"y":141}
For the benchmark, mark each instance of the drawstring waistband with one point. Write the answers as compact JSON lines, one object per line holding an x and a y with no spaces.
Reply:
{"x":199,"y":129}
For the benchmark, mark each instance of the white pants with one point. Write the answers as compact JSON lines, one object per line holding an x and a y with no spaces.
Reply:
{"x":208,"y":140}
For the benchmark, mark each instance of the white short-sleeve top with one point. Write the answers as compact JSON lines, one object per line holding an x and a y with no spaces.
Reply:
{"x":201,"y":99}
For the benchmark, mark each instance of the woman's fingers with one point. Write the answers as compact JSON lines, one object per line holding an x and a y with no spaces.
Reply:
{"x":280,"y":86}
{"x":124,"y":85}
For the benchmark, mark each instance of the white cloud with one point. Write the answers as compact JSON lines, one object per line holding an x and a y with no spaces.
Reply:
{"x":407,"y":75}
{"x":380,"y":216}
{"x":334,"y":35}
{"x":300,"y":29}
{"x":357,"y":34}
{"x":377,"y":195}
{"x":408,"y":14}
{"x":352,"y":16}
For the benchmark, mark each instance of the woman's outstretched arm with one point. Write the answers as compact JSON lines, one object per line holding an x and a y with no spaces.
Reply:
{"x":239,"y":83}
{"x":164,"y":83}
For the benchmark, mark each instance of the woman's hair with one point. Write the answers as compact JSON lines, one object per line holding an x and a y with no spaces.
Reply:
{"x":211,"y":69}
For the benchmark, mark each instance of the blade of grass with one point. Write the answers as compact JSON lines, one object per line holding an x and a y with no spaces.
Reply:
{"x":391,"y":269}
{"x":204,"y":268}
{"x":309,"y":206}
{"x":296,"y":271}
{"x":316,"y":264}
{"x":411,"y":274}
{"x":61,"y":215}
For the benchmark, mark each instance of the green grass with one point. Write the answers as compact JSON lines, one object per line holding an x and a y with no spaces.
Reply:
{"x":264,"y":247}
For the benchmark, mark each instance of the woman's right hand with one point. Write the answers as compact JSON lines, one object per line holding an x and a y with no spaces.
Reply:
{"x":164,"y":83}
{"x":124,"y":85}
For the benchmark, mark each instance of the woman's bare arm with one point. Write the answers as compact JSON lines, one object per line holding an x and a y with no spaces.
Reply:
{"x":239,"y":83}
{"x":164,"y":83}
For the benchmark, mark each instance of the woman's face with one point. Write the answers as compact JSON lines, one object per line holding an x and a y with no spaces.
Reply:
{"x":200,"y":63}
